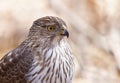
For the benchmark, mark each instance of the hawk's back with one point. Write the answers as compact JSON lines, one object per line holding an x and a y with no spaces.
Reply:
{"x":14,"y":65}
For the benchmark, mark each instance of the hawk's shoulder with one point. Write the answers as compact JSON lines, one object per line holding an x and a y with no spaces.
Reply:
{"x":15,"y":65}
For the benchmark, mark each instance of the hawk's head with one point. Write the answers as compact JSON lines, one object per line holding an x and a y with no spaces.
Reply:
{"x":49,"y":27}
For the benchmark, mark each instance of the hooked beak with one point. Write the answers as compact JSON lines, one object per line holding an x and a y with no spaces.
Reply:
{"x":64,"y":32}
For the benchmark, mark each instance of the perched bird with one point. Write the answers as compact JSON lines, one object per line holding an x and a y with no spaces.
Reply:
{"x":44,"y":56}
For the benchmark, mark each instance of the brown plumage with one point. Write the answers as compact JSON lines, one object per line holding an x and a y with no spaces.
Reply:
{"x":44,"y":57}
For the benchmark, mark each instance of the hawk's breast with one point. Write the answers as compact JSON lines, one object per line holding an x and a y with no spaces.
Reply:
{"x":54,"y":65}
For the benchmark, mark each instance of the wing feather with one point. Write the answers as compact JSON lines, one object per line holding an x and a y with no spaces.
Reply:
{"x":14,"y":66}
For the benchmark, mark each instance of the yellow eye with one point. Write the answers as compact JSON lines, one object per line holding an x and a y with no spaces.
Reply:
{"x":51,"y":28}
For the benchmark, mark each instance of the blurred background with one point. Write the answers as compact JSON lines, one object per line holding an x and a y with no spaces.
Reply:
{"x":94,"y":27}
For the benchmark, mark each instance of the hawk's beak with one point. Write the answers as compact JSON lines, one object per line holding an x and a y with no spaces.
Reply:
{"x":64,"y":32}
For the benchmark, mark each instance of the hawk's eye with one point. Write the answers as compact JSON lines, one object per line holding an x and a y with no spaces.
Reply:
{"x":50,"y":28}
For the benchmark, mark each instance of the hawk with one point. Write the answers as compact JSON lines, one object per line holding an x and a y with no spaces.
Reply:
{"x":43,"y":57}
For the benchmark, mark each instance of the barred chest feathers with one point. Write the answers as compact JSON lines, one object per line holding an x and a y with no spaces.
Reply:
{"x":52,"y":68}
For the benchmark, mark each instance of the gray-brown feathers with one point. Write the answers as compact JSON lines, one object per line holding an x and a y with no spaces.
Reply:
{"x":44,"y":57}
{"x":15,"y":64}
{"x":39,"y":27}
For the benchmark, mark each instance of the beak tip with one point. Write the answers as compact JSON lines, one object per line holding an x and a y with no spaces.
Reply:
{"x":68,"y":35}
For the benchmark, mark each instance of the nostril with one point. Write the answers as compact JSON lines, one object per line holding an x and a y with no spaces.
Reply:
{"x":62,"y":29}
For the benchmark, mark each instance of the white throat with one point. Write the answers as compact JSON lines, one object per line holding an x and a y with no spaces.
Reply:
{"x":54,"y":66}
